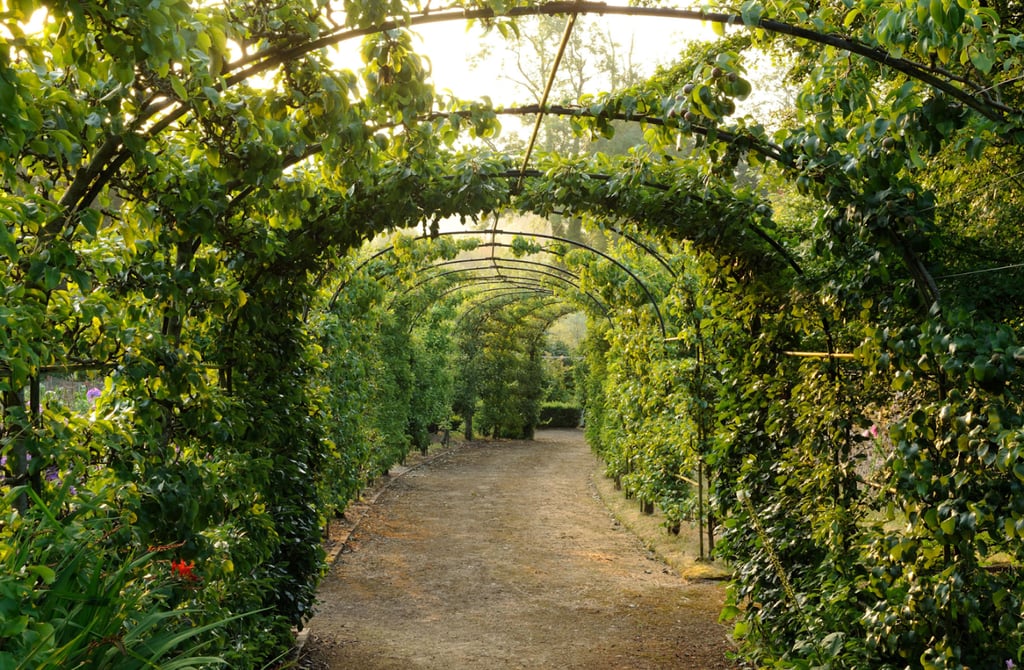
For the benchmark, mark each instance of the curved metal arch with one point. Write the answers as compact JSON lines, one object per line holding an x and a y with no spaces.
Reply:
{"x":534,"y":275}
{"x":504,"y":245}
{"x":650,"y":252}
{"x":490,"y":261}
{"x":500,"y":265}
{"x":494,"y":232}
{"x":601,"y":306}
{"x":616,"y":263}
{"x":388,"y":249}
{"x":482,"y":303}
{"x":513,"y":287}
{"x":525,"y":283}
{"x":522,"y":261}
{"x":256,"y":63}
{"x":503,"y":292}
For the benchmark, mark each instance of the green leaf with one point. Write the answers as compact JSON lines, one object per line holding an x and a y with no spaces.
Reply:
{"x":178,"y":87}
{"x":8,"y":243}
{"x":13,"y":627}
{"x":975,"y":147}
{"x":90,"y":219}
{"x":981,"y":59}
{"x":832,"y":643}
{"x":728,"y":613}
{"x":751,"y":11}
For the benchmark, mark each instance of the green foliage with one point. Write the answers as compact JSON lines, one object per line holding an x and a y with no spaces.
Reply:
{"x":103,"y":607}
{"x":500,"y":373}
{"x":431,"y":401}
{"x":560,"y":415}
{"x":178,"y":231}
{"x":382,"y":386}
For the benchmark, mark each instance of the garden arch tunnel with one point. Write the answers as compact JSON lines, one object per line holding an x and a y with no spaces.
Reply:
{"x":255,"y":64}
{"x":147,"y":232}
{"x":652,"y":300}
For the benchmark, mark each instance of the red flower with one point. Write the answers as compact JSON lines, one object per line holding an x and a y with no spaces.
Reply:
{"x":183,"y":570}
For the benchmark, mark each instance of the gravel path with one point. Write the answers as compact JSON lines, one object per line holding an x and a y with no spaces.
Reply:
{"x":501,"y":555}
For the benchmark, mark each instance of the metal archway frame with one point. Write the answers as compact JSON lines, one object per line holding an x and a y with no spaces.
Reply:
{"x":257,"y":63}
{"x":486,"y":301}
{"x":494,"y":232}
{"x":510,"y":279}
{"x":647,"y":292}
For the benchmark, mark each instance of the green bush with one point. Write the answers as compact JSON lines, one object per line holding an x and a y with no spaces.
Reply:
{"x":72,"y":595}
{"x":560,"y":415}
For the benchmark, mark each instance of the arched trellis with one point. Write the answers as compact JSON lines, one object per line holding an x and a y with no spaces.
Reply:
{"x":510,"y":281}
{"x":980,"y":100}
{"x":645,"y":248}
{"x":455,"y":233}
{"x":541,"y":273}
{"x":499,"y":293}
{"x":510,"y":294}
{"x":168,"y":110}
{"x":523,"y":265}
{"x":502,"y":284}
{"x":501,"y":245}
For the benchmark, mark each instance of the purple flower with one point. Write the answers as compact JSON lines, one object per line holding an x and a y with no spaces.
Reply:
{"x":93,"y":394}
{"x":1010,"y":665}
{"x":52,"y":475}
{"x":3,"y":460}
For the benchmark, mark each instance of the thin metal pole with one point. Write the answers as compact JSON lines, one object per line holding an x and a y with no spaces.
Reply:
{"x":700,"y":503}
{"x":570,"y":22}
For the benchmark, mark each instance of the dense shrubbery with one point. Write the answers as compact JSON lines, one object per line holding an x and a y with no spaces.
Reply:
{"x":499,"y":373}
{"x":560,"y":415}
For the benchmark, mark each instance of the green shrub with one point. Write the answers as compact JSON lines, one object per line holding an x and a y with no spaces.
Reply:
{"x":73,"y":596}
{"x":560,"y":415}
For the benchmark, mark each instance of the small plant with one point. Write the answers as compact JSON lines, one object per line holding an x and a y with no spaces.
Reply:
{"x":72,"y":597}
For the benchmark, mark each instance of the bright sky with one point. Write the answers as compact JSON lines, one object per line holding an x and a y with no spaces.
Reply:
{"x":449,"y":46}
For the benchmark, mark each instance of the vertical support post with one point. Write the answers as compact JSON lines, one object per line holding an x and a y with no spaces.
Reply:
{"x":34,"y":421}
{"x":711,"y":524}
{"x":18,"y":457}
{"x":700,"y":505}
{"x":33,"y":399}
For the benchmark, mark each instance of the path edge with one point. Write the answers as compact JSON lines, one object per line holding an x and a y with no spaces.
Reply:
{"x":369,"y":498}
{"x":649,"y":533}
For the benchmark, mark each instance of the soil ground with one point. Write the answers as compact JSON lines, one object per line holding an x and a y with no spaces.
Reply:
{"x":502,"y":555}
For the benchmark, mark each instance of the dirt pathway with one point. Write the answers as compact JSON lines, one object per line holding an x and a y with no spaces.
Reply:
{"x":500,"y":555}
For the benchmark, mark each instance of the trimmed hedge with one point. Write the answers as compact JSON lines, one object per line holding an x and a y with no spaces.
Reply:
{"x":560,"y":415}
